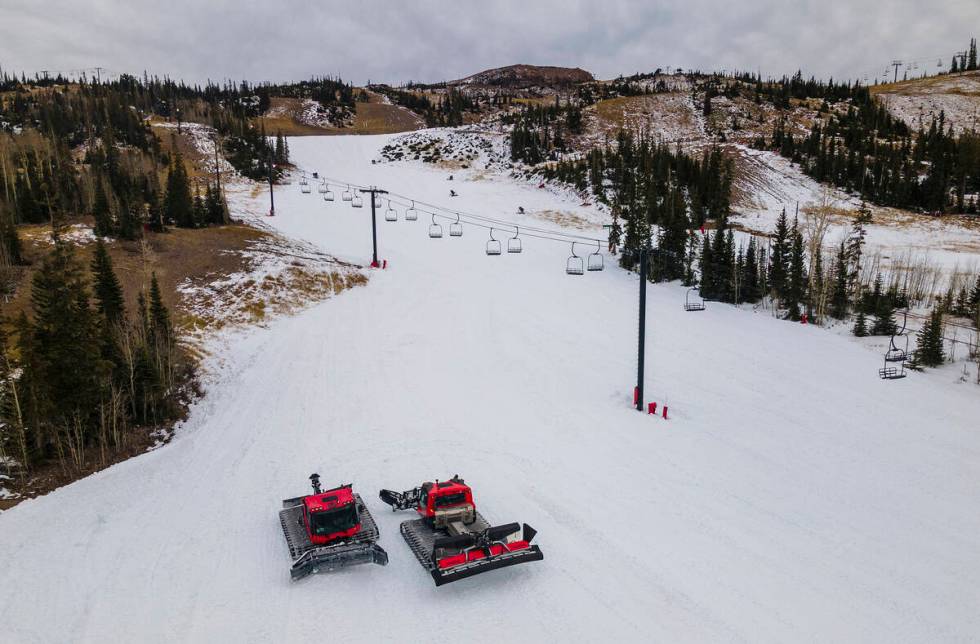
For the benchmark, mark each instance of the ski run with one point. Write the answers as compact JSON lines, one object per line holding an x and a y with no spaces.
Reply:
{"x":790,"y":496}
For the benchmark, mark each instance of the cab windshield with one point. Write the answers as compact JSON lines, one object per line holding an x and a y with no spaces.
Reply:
{"x":326,"y":523}
{"x":446,"y":500}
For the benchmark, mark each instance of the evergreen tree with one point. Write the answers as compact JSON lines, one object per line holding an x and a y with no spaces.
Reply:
{"x":778,"y":260}
{"x":839,"y":300}
{"x":929,"y":348}
{"x":65,"y":333}
{"x":884,"y":318}
{"x":178,"y":203}
{"x":10,"y":242}
{"x":101,"y":211}
{"x":751,"y":289}
{"x":159,"y":317}
{"x":860,"y":325}
{"x":796,"y":287}
{"x":108,"y":292}
{"x":200,"y":209}
{"x":215,"y":207}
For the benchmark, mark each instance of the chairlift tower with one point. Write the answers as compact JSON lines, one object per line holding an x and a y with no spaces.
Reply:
{"x":641,"y":338}
{"x":896,"y":64}
{"x":373,"y":191}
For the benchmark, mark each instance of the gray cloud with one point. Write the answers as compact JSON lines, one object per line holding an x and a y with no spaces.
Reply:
{"x":429,"y":41}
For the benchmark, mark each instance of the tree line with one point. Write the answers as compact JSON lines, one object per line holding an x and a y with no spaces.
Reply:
{"x":82,"y":373}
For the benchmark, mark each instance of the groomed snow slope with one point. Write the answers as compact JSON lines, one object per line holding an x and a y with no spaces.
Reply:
{"x":792,"y":495}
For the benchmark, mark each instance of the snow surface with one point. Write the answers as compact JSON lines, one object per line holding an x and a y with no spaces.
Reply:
{"x":791,"y":496}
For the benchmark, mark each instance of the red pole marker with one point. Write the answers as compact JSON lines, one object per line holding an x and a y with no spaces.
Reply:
{"x":652,"y":408}
{"x":636,"y":396}
{"x":384,"y":264}
{"x":665,"y":412}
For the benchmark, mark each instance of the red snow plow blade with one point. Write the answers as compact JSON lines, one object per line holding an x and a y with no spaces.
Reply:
{"x":478,"y":561}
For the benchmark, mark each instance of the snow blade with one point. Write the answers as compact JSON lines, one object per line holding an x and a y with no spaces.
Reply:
{"x":330,"y":558}
{"x":485,"y":543}
{"x":449,"y":575}
{"x":400,"y":500}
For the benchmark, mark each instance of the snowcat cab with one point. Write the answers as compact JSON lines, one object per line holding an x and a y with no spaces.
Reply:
{"x":330,"y":516}
{"x":329,"y":529}
{"x":451,"y":539}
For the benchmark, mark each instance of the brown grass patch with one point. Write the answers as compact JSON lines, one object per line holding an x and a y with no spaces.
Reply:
{"x":174,"y":256}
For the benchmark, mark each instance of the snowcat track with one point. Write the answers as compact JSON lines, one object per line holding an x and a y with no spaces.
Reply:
{"x":310,"y":559}
{"x":421,"y":539}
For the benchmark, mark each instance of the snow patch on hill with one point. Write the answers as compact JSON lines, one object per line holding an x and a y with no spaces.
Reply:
{"x":956,"y":96}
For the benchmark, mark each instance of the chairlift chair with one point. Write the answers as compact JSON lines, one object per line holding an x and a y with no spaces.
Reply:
{"x":322,"y":188}
{"x":302,"y":180}
{"x":411,"y":214}
{"x":889,"y":372}
{"x":304,"y":186}
{"x":695,"y":305}
{"x":894,"y":353}
{"x":347,"y":195}
{"x":596,"y":262}
{"x":328,"y":195}
{"x":493,"y":246}
{"x":435,"y":230}
{"x":357,"y":202}
{"x":391,"y":214}
{"x":377,"y":201}
{"x":514,"y":243}
{"x":574,"y":265}
{"x":456,"y":228}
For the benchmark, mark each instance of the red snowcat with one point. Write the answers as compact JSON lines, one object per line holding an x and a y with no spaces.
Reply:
{"x":450,"y":538}
{"x":328,"y":530}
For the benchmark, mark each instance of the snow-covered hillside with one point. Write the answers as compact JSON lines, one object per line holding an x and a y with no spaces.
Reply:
{"x":791,"y":495}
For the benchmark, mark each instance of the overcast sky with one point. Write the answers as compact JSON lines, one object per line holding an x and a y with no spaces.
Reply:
{"x":423,"y":40}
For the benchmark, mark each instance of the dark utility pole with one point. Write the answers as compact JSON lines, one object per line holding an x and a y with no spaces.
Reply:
{"x":272,"y":197}
{"x":374,"y":223}
{"x":641,"y":340}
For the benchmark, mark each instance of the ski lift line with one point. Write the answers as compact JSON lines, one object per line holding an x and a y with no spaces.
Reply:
{"x":452,"y":218}
{"x":499,"y":223}
{"x":407,"y":201}
{"x":486,"y":223}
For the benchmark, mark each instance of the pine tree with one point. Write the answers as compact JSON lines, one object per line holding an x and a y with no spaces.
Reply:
{"x":178,"y":203}
{"x":751,"y":289}
{"x":796,"y":288}
{"x":839,"y":300}
{"x":108,"y":292}
{"x":159,"y":317}
{"x":10,"y":242}
{"x":884,"y":318}
{"x":200,"y":209}
{"x":778,"y":260}
{"x":215,"y":207}
{"x":66,"y":345}
{"x":101,"y":211}
{"x":860,"y":325}
{"x":929,"y":348}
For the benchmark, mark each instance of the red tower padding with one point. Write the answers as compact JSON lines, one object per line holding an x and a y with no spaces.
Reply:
{"x":665,"y":412}
{"x":636,"y":396}
{"x":652,"y":408}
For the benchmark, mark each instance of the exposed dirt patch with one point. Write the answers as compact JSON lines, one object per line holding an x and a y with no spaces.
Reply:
{"x":373,"y":117}
{"x":176,"y":255}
